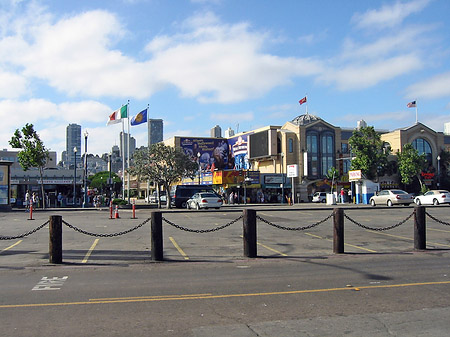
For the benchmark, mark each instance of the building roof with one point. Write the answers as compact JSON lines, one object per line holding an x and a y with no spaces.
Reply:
{"x":305,"y":119}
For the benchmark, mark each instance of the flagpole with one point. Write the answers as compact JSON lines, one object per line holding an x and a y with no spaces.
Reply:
{"x":128,"y":153}
{"x":417,"y":116}
{"x":123,"y":160}
{"x":306,"y":96}
{"x":148,"y":146}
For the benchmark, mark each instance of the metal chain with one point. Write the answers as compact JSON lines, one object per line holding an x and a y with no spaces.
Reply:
{"x":437,"y":220}
{"x":294,"y":228}
{"x":105,"y":235}
{"x":202,"y":230}
{"x":26,"y":234}
{"x":378,"y":228}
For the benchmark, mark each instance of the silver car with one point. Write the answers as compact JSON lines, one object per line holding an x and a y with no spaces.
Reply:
{"x":391,"y":197}
{"x":204,"y":200}
{"x":433,"y":197}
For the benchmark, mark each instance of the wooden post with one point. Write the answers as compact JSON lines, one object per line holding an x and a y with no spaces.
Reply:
{"x":249,"y":224}
{"x":157,"y":236}
{"x":420,"y":240}
{"x":55,"y":242}
{"x":338,"y":235}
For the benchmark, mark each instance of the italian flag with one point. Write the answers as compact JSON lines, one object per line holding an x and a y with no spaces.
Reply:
{"x":117,"y":115}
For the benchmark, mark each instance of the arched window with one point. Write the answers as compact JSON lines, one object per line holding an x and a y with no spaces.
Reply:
{"x":312,"y":147}
{"x":320,"y":147}
{"x":327,"y":143}
{"x":291,"y":145}
{"x":422,"y":146}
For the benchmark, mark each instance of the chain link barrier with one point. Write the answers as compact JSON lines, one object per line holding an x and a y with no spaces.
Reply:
{"x":294,"y":228}
{"x":82,"y":231}
{"x":437,"y":220}
{"x":202,"y":230}
{"x":379,"y":229}
{"x":25,"y":234}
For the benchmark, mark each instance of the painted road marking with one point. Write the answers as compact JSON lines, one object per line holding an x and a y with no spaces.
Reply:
{"x":345,"y":244}
{"x":406,"y":238}
{"x":178,"y":248}
{"x":50,"y":283}
{"x":208,"y":296}
{"x":267,"y":247}
{"x":13,"y":245}
{"x":438,"y":230}
{"x":147,"y":297}
{"x":88,"y":254}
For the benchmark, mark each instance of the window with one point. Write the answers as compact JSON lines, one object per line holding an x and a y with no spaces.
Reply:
{"x":327,"y":152}
{"x":422,"y":146}
{"x":291,"y":145}
{"x":320,"y":147}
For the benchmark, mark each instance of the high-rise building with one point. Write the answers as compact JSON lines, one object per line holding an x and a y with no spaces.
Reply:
{"x":229,"y":132}
{"x":125,"y":148}
{"x":216,"y":132}
{"x":155,"y":131}
{"x":73,"y":140}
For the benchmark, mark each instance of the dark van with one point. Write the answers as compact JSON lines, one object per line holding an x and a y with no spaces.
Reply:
{"x":179,"y":194}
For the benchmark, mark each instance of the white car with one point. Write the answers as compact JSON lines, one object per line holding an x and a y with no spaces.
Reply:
{"x":204,"y":200}
{"x":433,"y":197}
{"x":391,"y":197}
{"x":319,"y":197}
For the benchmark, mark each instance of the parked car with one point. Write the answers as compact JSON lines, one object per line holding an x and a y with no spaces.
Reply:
{"x":180,"y":194}
{"x":204,"y":200}
{"x":433,"y":197}
{"x":320,"y":197}
{"x":391,"y":197}
{"x":162,"y":196}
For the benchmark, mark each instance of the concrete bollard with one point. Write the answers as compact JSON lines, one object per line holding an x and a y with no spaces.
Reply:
{"x":338,"y":231}
{"x":157,"y":236}
{"x":250,"y":235}
{"x":420,"y":237}
{"x":55,"y":242}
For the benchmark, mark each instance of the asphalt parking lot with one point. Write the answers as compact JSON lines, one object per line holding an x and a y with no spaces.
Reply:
{"x":280,"y":234}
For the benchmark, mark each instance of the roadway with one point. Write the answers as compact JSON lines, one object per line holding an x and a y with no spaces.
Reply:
{"x":296,"y":286}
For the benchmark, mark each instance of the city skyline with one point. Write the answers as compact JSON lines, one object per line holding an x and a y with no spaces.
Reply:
{"x":200,"y":63}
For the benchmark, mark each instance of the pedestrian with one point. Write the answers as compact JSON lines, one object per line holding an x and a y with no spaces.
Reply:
{"x":342,"y":195}
{"x":27,"y":200}
{"x":60,"y":199}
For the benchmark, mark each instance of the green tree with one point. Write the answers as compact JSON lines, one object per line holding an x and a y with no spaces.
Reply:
{"x":164,"y":165}
{"x":369,"y":152}
{"x":410,"y":164}
{"x":33,"y":154}
{"x":99,"y":181}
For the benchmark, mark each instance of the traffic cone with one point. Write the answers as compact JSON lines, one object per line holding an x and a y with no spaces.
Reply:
{"x":116,"y":214}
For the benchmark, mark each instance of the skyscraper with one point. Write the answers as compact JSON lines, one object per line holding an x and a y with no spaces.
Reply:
{"x":155,"y":131}
{"x":216,"y":132}
{"x":125,"y":148}
{"x":73,"y":139}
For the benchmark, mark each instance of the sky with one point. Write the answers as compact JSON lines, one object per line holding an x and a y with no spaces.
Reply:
{"x":239,"y":64}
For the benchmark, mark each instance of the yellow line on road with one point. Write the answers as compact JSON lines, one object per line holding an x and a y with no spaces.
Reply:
{"x":88,"y":254}
{"x":207,"y":296}
{"x":438,"y":230}
{"x":271,"y":249}
{"x":147,"y":297}
{"x":345,"y":244}
{"x":178,"y":248}
{"x":13,"y":245}
{"x":406,"y":238}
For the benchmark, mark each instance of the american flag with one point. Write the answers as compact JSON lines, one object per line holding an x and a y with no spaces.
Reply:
{"x":411,"y":104}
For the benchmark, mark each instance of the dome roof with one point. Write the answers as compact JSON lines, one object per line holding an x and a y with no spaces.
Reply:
{"x":305,"y":119}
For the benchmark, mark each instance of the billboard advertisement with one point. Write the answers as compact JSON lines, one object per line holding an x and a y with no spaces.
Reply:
{"x":238,"y":147}
{"x":210,"y":153}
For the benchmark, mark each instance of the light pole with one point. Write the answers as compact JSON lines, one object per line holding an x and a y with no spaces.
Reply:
{"x":74,"y":174}
{"x":439,"y":171}
{"x":199,"y":168}
{"x":282,"y":177}
{"x":86,"y":134}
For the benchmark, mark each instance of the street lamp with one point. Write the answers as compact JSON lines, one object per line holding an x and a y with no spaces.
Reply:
{"x":74,"y":174}
{"x":199,"y":168}
{"x":86,"y":134}
{"x":438,"y":171}
{"x":282,"y":177}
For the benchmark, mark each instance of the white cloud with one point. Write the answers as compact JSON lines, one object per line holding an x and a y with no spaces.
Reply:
{"x":389,"y":16}
{"x":244,"y":117}
{"x":360,"y":76}
{"x":434,"y":87}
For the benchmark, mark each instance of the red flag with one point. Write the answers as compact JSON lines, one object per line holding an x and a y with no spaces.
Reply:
{"x":303,"y":100}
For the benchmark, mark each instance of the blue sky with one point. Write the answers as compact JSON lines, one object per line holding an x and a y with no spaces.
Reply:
{"x":239,"y":64}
